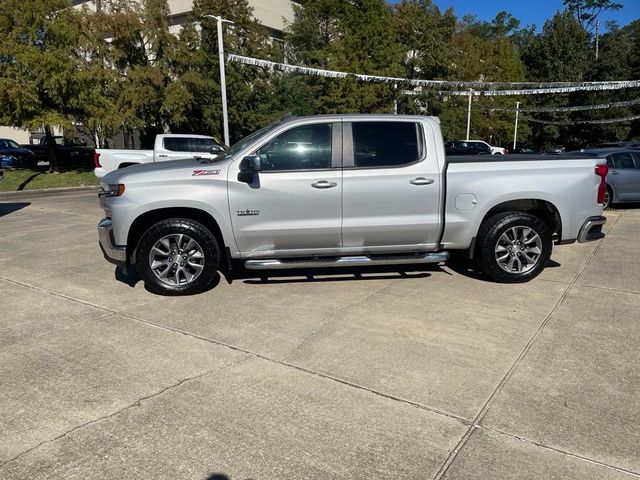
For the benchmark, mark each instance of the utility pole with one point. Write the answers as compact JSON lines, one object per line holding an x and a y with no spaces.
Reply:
{"x":223,"y":85}
{"x":469,"y":113}
{"x":515,"y":130}
{"x":597,"y":37}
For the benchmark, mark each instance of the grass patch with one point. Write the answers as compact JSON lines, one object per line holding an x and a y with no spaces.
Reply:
{"x":41,"y":178}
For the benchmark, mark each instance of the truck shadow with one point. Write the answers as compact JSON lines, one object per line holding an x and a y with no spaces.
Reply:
{"x":7,"y":208}
{"x":467,"y":269}
{"x":309,"y":275}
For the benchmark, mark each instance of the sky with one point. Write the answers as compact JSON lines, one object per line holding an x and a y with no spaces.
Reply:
{"x":532,"y":11}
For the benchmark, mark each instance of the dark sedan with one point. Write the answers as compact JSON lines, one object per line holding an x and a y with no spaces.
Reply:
{"x":14,"y":156}
{"x":461,"y":147}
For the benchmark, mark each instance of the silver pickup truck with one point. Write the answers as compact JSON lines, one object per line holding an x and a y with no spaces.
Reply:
{"x":346,"y":190}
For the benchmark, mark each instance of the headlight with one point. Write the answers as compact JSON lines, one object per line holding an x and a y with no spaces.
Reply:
{"x":111,"y":190}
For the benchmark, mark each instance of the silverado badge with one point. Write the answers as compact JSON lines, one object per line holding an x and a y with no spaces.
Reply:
{"x":248,"y":213}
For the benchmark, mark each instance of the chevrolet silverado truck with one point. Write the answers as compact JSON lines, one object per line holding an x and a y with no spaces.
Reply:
{"x":346,"y":190}
{"x":171,"y":146}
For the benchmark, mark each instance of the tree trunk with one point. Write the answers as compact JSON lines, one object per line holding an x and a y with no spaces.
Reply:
{"x":54,"y":166}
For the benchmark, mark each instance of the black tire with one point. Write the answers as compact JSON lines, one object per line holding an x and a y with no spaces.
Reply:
{"x":204,"y":240}
{"x":490,"y":239}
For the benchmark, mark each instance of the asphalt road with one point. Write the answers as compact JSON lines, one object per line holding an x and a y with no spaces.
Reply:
{"x":424,"y":374}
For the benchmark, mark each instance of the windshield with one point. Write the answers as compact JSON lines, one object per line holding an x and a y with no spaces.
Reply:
{"x":7,"y":143}
{"x":242,"y":143}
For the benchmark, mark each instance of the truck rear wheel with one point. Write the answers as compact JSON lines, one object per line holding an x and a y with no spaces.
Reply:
{"x":513,"y":247}
{"x":178,"y":256}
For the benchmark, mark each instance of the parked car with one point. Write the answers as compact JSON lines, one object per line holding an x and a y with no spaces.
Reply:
{"x":623,"y":179}
{"x":167,"y":147}
{"x":633,"y":144}
{"x":14,"y":156}
{"x":463,"y":147}
{"x":555,"y":150}
{"x":520,"y":148}
{"x":482,"y":145}
{"x":328,"y":203}
{"x":70,"y":152}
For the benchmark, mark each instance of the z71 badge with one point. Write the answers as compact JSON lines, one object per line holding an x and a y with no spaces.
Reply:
{"x":248,"y":213}
{"x":197,"y":173}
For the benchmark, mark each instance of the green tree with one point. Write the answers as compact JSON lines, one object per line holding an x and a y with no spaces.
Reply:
{"x":39,"y":80}
{"x":250,"y":90}
{"x":356,"y":36}
{"x":587,"y":11}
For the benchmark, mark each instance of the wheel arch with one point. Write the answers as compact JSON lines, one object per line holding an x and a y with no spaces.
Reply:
{"x":543,"y":209}
{"x":144,"y":221}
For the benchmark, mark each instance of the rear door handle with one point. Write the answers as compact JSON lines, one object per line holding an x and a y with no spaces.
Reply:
{"x":324,"y":184}
{"x":613,"y":172}
{"x":422,"y":181}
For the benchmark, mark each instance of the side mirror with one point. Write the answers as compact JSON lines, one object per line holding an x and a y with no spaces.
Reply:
{"x":216,"y":149}
{"x":248,"y":167}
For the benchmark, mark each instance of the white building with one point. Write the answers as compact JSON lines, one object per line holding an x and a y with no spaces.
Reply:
{"x":273,"y":14}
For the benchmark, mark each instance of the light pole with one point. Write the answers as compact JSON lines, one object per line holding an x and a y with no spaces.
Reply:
{"x":469,"y":113}
{"x":223,"y":85}
{"x":515,"y":130}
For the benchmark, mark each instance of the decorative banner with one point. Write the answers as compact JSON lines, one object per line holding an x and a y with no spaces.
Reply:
{"x":541,"y":87}
{"x":596,"y":86}
{"x":600,"y":106}
{"x":584,"y":122}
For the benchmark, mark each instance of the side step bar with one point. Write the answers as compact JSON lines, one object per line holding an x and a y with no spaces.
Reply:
{"x":355,"y":261}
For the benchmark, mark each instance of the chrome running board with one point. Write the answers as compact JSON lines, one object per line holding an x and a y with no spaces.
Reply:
{"x":354,"y":261}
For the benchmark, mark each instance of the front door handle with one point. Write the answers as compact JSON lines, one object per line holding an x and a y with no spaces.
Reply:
{"x":422,"y":181}
{"x":324,"y":184}
{"x":162,"y":156}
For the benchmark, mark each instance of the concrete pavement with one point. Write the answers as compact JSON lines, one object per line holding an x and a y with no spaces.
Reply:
{"x":428,"y":374}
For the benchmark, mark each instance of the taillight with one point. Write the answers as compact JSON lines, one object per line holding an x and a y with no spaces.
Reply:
{"x":601,"y":171}
{"x":506,"y":151}
{"x":96,"y":160}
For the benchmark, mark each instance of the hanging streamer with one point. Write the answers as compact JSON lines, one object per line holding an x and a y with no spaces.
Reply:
{"x":538,"y":91}
{"x":584,"y":122}
{"x":577,"y":108}
{"x":542,"y":87}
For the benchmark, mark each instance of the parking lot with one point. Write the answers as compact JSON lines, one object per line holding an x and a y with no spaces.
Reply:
{"x":425,"y":373}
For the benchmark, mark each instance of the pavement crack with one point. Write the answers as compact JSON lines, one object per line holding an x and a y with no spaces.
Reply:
{"x":487,"y":405}
{"x":555,"y":449}
{"x":137,"y":403}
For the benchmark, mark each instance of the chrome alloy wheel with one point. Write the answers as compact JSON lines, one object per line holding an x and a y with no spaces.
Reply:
{"x":176,"y":259}
{"x":518,"y":249}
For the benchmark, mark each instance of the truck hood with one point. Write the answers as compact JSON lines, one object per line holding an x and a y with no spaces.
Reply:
{"x":176,"y":169}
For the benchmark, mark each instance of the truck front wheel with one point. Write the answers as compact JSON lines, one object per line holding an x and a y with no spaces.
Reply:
{"x":178,"y":256}
{"x":513,"y":247}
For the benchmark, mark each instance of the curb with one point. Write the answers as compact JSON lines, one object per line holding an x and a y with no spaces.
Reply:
{"x":48,"y":191}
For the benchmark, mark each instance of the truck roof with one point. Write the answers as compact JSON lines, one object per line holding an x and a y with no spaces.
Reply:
{"x":358,"y":116}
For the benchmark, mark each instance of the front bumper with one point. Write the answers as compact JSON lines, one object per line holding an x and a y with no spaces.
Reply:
{"x":113,"y":253}
{"x":592,"y":229}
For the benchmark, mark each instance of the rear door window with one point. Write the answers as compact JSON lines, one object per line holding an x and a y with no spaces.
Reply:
{"x":623,"y":160}
{"x":178,"y":144}
{"x":385,"y":144}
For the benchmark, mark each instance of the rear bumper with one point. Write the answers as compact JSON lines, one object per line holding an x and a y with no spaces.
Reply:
{"x":592,"y":229}
{"x":112,"y":253}
{"x":99,"y":172}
